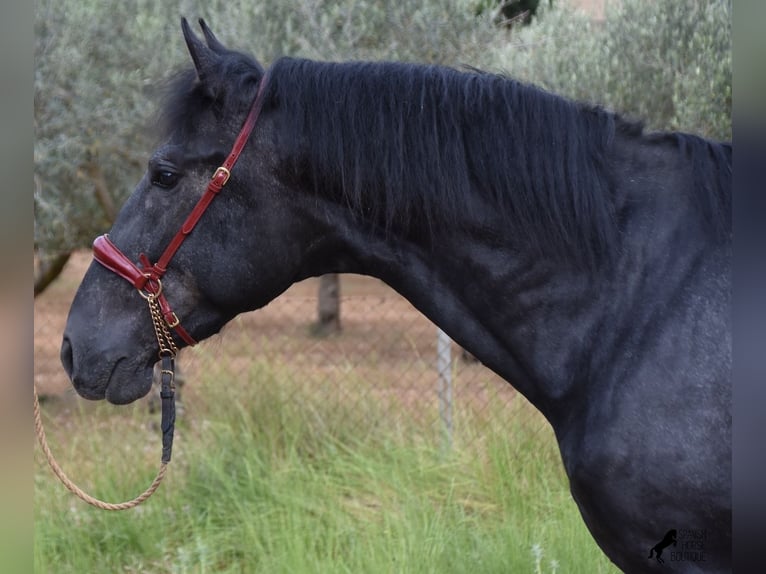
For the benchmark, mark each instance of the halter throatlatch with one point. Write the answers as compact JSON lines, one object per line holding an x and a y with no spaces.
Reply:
{"x":147,"y":279}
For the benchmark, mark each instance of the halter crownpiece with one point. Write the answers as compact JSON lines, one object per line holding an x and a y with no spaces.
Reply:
{"x":147,"y":278}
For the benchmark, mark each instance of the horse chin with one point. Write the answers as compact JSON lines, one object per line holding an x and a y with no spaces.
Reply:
{"x":128,"y":383}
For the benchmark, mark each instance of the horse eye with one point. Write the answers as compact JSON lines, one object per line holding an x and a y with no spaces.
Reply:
{"x":165,"y":178}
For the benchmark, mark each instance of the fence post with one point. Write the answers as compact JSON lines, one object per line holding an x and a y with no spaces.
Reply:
{"x":444,"y":385}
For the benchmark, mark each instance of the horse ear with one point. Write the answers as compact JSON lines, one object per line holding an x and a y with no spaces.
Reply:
{"x":212,"y":42}
{"x":205,"y":59}
{"x":215,"y":44}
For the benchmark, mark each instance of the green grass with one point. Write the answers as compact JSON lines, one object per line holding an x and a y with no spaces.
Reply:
{"x":263,"y":484}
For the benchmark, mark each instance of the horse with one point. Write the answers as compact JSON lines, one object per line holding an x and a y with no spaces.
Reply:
{"x":583,"y":258}
{"x":667,"y":540}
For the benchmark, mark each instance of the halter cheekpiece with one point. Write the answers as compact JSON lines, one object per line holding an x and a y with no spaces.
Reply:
{"x":147,"y":278}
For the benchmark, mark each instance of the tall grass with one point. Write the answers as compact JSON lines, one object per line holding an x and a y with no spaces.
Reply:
{"x":260,"y":484}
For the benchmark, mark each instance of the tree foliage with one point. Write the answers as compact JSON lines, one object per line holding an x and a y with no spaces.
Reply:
{"x":667,"y":63}
{"x":94,"y":64}
{"x":100,"y":63}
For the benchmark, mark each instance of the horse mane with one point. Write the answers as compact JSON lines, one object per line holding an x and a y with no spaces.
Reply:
{"x":711,"y":169}
{"x":407,"y":146}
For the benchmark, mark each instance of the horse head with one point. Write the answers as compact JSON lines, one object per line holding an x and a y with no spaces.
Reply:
{"x":245,"y":250}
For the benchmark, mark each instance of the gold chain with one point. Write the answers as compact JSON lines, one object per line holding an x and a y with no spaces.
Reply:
{"x":164,"y":338}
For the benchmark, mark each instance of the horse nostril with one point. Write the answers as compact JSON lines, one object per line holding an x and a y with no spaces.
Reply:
{"x":66,"y":356}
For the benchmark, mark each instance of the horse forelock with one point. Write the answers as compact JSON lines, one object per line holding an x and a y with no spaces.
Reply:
{"x":229,"y":92}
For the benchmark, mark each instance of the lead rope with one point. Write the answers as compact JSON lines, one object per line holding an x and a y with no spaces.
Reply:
{"x":168,"y":351}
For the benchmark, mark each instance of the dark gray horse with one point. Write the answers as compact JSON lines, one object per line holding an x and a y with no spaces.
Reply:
{"x":583,"y":260}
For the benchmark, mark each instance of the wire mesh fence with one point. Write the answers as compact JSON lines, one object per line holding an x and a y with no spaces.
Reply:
{"x":387,"y":355}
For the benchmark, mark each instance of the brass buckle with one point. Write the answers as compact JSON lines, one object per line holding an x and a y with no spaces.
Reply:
{"x":169,"y":372}
{"x":225,"y":172}
{"x":175,"y":322}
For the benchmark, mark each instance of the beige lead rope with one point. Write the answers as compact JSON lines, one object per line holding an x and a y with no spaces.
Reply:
{"x":76,"y":489}
{"x":168,"y":351}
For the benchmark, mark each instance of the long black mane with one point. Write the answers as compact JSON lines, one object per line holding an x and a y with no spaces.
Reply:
{"x":405,"y":146}
{"x":411,"y":143}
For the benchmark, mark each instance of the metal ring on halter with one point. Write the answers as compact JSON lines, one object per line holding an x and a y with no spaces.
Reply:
{"x":149,"y":295}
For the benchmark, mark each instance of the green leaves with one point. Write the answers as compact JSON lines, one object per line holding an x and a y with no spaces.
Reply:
{"x":667,"y":63}
{"x":100,"y":64}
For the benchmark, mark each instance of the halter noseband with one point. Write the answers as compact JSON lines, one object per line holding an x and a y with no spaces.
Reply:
{"x":147,"y":278}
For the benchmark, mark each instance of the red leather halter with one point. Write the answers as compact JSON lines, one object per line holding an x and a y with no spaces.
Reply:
{"x":146,"y":278}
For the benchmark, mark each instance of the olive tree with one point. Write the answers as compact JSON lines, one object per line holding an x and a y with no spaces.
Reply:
{"x":100,"y":65}
{"x":666,"y":63}
{"x":93,"y":78}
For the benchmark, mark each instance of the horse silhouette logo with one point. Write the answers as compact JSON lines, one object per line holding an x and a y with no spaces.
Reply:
{"x":667,"y":540}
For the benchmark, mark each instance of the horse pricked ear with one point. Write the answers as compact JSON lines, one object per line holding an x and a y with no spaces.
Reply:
{"x":215,"y":44}
{"x":212,"y":42}
{"x":206,"y":61}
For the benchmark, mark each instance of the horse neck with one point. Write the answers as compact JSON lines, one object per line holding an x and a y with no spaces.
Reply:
{"x":523,"y":318}
{"x":553,"y":330}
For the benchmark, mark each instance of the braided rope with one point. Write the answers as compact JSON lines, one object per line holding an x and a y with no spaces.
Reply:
{"x":76,"y":490}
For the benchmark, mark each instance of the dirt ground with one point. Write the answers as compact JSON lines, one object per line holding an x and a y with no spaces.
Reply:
{"x":384,"y":341}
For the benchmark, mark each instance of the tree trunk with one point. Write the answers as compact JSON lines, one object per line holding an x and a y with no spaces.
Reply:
{"x":328,"y":308}
{"x":47,"y":268}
